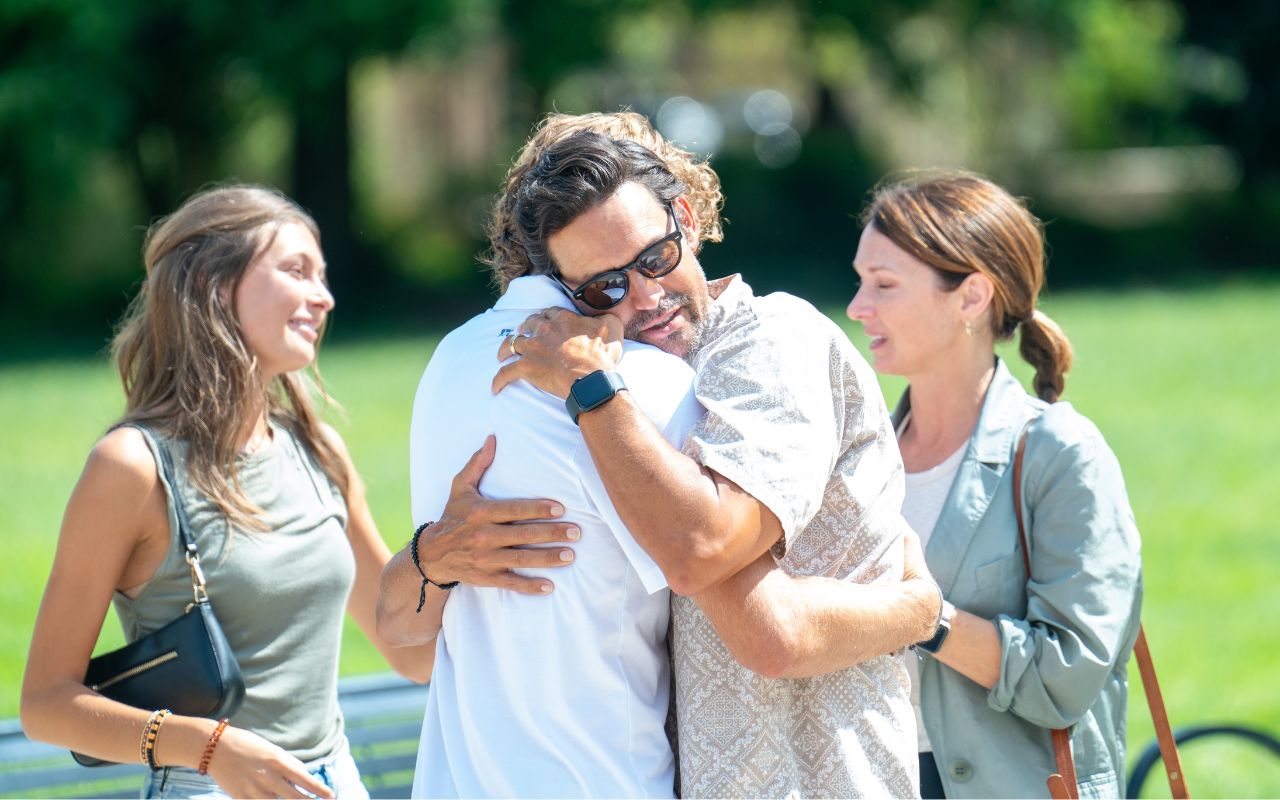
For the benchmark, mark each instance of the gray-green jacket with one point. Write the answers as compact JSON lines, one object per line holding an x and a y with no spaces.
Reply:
{"x":1066,"y":634}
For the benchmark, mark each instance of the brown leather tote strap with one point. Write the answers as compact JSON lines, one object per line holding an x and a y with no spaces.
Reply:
{"x":1160,"y":718}
{"x":1058,"y":788}
{"x":1062,"y":784}
{"x":1017,"y":498}
{"x":1066,"y":763}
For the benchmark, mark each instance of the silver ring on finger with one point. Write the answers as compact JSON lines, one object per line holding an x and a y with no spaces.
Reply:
{"x":517,"y":337}
{"x":510,"y":342}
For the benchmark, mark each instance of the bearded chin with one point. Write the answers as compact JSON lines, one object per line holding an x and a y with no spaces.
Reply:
{"x":666,"y":305}
{"x":693,"y":333}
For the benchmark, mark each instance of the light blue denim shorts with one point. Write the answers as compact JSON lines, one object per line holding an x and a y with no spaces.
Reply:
{"x":338,"y":771}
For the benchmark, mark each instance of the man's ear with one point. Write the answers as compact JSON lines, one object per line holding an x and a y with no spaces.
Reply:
{"x":976,"y":292}
{"x":688,"y":220}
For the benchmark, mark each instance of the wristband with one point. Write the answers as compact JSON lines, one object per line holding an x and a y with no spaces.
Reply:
{"x":213,"y":742}
{"x":146,"y":745}
{"x":153,"y":732}
{"x":413,"y":551}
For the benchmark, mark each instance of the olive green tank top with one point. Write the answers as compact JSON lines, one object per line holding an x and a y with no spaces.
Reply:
{"x":279,"y":594}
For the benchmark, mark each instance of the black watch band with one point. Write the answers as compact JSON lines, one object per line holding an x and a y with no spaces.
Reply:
{"x":934,"y":643}
{"x":592,"y":391}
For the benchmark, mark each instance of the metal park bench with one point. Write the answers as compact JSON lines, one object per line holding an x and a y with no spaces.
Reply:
{"x":383,"y":715}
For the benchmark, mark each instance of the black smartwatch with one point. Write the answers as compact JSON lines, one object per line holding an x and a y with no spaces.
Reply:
{"x":933,"y":644}
{"x":592,"y":391}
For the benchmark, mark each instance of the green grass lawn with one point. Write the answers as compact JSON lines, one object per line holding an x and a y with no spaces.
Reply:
{"x":1180,"y":383}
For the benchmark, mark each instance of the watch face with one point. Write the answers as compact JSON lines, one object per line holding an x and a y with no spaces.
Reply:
{"x":935,"y":642}
{"x":591,"y":391}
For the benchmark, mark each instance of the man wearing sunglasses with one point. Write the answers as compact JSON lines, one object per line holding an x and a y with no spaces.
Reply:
{"x":743,"y":732}
{"x":792,"y":474}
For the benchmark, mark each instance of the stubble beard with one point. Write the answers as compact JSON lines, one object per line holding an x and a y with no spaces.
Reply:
{"x":687,"y":343}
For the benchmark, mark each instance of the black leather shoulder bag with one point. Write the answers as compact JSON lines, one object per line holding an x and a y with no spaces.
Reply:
{"x":186,"y":666}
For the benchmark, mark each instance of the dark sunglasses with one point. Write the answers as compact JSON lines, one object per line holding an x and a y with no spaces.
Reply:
{"x":609,"y":288}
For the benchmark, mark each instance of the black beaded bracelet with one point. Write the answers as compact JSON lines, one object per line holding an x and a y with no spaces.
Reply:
{"x":413,"y":550}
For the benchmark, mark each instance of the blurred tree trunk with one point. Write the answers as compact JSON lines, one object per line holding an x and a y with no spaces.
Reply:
{"x":322,"y":180}
{"x":156,"y":193}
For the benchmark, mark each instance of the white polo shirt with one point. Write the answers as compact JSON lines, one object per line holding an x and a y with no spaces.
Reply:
{"x":544,"y":696}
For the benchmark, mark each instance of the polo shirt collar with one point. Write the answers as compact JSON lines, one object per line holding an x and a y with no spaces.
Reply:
{"x":533,"y":293}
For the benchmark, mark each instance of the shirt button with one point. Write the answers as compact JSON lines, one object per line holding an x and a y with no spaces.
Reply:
{"x":961,"y":771}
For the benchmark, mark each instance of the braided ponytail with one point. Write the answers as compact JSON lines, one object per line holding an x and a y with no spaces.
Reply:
{"x":1045,"y":347}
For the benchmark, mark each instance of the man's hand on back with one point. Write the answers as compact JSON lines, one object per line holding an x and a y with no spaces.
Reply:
{"x":474,"y":542}
{"x":556,"y":347}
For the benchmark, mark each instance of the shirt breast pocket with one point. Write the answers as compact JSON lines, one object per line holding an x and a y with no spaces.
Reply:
{"x":1000,"y":587}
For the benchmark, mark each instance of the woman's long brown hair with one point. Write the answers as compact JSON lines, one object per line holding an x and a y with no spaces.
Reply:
{"x":182,"y":356}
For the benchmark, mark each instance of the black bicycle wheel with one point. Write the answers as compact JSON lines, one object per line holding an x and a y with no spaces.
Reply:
{"x":1260,"y":743}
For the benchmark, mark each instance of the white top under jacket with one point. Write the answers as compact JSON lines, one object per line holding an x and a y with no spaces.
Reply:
{"x":544,"y":696}
{"x":926,"y":494}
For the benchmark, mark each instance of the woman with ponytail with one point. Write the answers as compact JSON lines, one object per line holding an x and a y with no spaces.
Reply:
{"x":950,"y":264}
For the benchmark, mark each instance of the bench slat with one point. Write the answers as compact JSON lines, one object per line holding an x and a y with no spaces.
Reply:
{"x":17,"y":748}
{"x":70,"y":775}
{"x":405,"y":731}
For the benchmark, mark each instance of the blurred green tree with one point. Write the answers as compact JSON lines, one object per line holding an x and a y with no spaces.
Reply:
{"x":160,"y":96}
{"x":111,"y":113}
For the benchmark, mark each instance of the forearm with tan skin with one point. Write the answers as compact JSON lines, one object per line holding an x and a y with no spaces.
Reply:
{"x":699,"y":526}
{"x":788,"y":627}
{"x":242,"y":763}
{"x":972,"y":649}
{"x":397,"y":616}
{"x":472,"y":543}
{"x":115,"y":524}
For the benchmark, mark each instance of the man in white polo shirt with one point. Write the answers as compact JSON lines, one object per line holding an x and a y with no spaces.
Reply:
{"x":542,"y":715}
{"x":562,"y":695}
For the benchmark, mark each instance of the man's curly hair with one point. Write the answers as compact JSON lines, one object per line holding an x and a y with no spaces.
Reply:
{"x":506,"y":257}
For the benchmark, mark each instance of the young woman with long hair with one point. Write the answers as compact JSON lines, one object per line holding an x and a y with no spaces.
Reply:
{"x":214,"y":355}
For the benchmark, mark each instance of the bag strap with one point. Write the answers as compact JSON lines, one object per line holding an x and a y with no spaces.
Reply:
{"x":189,"y":551}
{"x":1066,"y":773}
{"x":1160,"y":718}
{"x":1063,"y":784}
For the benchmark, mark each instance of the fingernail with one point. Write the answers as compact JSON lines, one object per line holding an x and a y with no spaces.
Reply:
{"x":566,"y":555}
{"x":545,"y":588}
{"x":573,"y":534}
{"x":557,"y":510}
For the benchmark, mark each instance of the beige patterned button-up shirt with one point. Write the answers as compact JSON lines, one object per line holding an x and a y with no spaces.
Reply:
{"x":795,"y":417}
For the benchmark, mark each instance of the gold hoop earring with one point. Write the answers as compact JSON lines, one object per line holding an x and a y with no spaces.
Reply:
{"x":968,"y":328}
